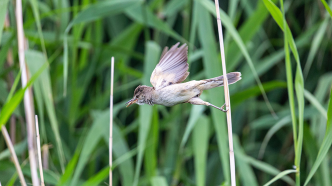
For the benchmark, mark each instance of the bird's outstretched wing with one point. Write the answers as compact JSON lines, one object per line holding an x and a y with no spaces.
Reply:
{"x":172,"y":67}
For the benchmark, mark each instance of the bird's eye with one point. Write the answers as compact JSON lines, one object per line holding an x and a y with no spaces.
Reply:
{"x":137,"y":96}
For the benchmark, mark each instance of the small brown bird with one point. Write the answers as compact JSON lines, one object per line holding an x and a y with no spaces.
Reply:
{"x":166,"y":79}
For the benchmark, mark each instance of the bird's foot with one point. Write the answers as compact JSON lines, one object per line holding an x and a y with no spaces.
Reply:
{"x":222,"y":108}
{"x":219,"y":108}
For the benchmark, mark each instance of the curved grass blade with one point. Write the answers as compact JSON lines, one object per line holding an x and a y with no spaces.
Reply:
{"x":280,"y":175}
{"x":327,"y":7}
{"x":311,"y":98}
{"x":326,"y":144}
{"x":35,"y":10}
{"x":281,"y":123}
{"x":263,"y":167}
{"x":12,"y":104}
{"x":98,"y":178}
{"x":279,"y":17}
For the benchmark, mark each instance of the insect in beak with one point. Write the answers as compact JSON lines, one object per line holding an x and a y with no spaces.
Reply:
{"x":130,"y":102}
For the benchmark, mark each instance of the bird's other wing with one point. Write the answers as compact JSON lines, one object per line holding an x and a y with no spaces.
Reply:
{"x":172,"y":67}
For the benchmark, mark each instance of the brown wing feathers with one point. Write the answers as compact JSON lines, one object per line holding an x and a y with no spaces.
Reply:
{"x":172,"y":67}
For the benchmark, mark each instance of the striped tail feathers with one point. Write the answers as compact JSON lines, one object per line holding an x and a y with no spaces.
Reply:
{"x":232,"y":77}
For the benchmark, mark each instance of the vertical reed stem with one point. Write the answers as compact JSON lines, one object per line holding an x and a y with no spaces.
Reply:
{"x":39,"y":153}
{"x":28,"y":103}
{"x":111,"y":123}
{"x":227,"y":100}
{"x":12,"y":151}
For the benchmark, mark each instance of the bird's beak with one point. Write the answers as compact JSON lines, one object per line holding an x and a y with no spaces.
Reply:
{"x":130,"y":102}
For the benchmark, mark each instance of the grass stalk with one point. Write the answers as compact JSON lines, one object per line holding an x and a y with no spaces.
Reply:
{"x":10,"y":76}
{"x":227,"y":99}
{"x":28,"y":103}
{"x":39,"y":153}
{"x":12,"y":151}
{"x":111,"y":123}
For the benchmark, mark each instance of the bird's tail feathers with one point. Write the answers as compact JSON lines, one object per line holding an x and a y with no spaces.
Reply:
{"x":232,"y":77}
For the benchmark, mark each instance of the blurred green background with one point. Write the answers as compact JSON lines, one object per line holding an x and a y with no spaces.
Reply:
{"x":275,"y":134}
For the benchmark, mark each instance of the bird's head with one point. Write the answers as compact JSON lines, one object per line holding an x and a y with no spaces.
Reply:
{"x":141,"y":94}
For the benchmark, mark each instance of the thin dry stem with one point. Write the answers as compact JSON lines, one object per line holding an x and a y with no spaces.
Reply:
{"x":45,"y":156}
{"x":227,"y":100}
{"x":14,"y":157}
{"x":28,"y":103}
{"x":111,"y":123}
{"x":39,"y":153}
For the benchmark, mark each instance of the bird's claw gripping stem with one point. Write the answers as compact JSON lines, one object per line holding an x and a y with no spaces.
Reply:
{"x":222,"y":108}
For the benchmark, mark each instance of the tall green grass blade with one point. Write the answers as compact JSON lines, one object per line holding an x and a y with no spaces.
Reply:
{"x":326,"y":144}
{"x":3,"y":13}
{"x":193,"y":30}
{"x":145,"y":111}
{"x":327,"y":7}
{"x":299,"y":89}
{"x":35,"y":8}
{"x":200,"y":141}
{"x":34,"y":60}
{"x":275,"y":12}
{"x":280,"y":175}
{"x":279,"y":17}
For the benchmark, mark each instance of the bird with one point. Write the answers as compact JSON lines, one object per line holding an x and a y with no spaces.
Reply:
{"x":167,"y":78}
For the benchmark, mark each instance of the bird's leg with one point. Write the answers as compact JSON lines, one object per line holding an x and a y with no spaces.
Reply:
{"x":222,"y":107}
{"x":198,"y":101}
